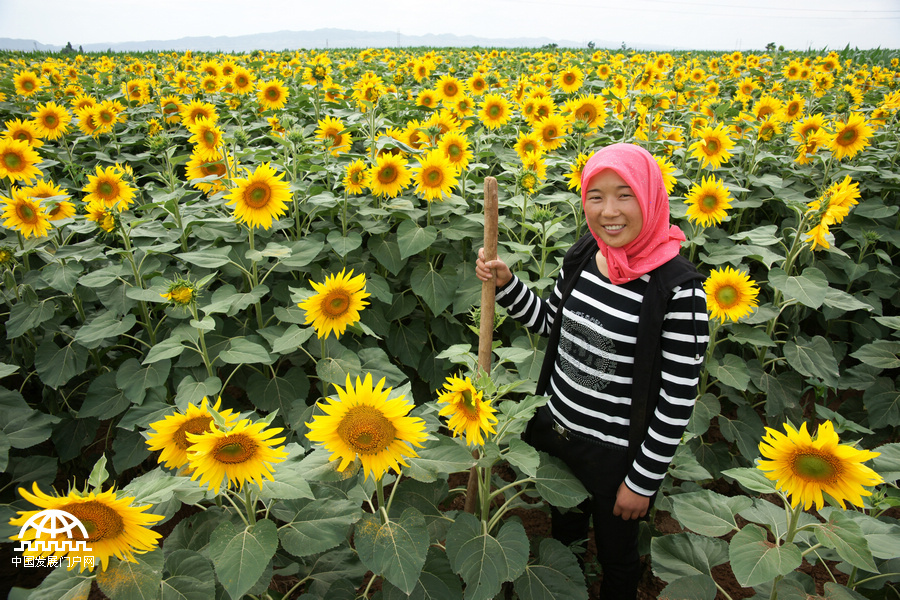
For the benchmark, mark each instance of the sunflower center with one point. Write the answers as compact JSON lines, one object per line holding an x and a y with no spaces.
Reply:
{"x":107,"y":189}
{"x":712,"y":146}
{"x":257,"y":195}
{"x":209,"y":137}
{"x":336,"y":303}
{"x":196,"y":425}
{"x":387,"y":175}
{"x":434,"y":177}
{"x":366,"y":430}
{"x":454,"y":152}
{"x":26,"y":214}
{"x":847,"y":137}
{"x":495,"y":111}
{"x":727,"y":296}
{"x":50,"y":121}
{"x":12,"y":161}
{"x":235,"y":449}
{"x":450,"y":89}
{"x":272,"y":94}
{"x":241,"y":81}
{"x":710,"y":202}
{"x":101,"y":521}
{"x":817,"y":467}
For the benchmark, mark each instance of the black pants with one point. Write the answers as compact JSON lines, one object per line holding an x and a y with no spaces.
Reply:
{"x":601,"y":468}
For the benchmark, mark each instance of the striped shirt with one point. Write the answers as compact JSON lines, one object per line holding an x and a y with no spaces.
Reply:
{"x":590,"y":386}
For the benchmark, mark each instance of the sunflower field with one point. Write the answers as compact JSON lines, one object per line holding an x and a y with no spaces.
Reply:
{"x":240,"y":319}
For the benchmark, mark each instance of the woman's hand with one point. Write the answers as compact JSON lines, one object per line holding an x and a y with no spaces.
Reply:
{"x":630,"y":505}
{"x":493,"y":269}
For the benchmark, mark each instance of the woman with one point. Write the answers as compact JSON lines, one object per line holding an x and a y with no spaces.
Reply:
{"x":627,"y":329}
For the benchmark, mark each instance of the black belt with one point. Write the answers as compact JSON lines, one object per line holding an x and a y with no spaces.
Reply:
{"x":568,"y":434}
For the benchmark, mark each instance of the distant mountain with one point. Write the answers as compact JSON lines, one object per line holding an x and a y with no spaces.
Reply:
{"x":320,"y":38}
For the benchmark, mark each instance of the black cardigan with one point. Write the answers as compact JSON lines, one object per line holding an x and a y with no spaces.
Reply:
{"x":648,"y":356}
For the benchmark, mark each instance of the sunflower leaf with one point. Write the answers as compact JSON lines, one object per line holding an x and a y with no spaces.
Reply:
{"x":485,"y":561}
{"x":241,"y":557}
{"x":685,"y":554}
{"x":555,"y":574}
{"x":845,"y":536}
{"x":755,"y":560}
{"x":396,"y":549}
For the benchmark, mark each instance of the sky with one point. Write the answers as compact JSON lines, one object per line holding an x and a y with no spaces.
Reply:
{"x":696,"y":25}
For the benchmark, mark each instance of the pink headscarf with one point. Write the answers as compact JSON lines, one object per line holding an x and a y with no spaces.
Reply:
{"x":658,"y":242}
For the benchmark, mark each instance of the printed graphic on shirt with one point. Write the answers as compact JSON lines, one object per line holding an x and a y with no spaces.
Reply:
{"x":584,"y":351}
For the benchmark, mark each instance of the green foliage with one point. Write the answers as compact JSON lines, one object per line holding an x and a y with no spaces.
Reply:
{"x":94,"y":354}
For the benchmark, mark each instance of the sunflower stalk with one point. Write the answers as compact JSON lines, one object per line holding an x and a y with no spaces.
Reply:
{"x":139,"y":282}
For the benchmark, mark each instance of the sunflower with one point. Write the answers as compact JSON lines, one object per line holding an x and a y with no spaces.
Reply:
{"x":850,"y":137}
{"x":477,"y":84}
{"x":242,"y":80}
{"x":434,"y":176}
{"x":448,"y":89}
{"x":272,"y":95}
{"x":170,"y":433}
{"x":575,"y":170}
{"x":332,"y":132}
{"x":463,"y":107}
{"x":364,"y":423}
{"x":107,"y":186}
{"x":470,"y":414}
{"x":534,"y":161}
{"x":590,"y":109}
{"x":183,"y":293}
{"x":766,"y":107}
{"x":793,"y":108}
{"x":427,"y":98}
{"x":18,"y":160}
{"x":171,"y":107}
{"x":552,"y":130}
{"x":768,"y":129}
{"x":570,"y":79}
{"x":58,"y":208}
{"x":355,"y":181}
{"x":105,"y":116}
{"x":667,"y":169}
{"x":730,"y":294}
{"x":26,"y":83}
{"x":529,"y":141}
{"x":708,"y":201}
{"x":197,"y":109}
{"x":804,"y":467}
{"x":114,"y":527}
{"x":101,"y":214}
{"x":389,"y":176}
{"x":455,"y":146}
{"x":831,"y":207}
{"x":713,"y":146}
{"x":206,"y":137}
{"x":336,"y":303}
{"x":241,"y":453}
{"x":24,"y":214}
{"x":86,"y":120}
{"x":495,"y":111}
{"x":17,"y":129}
{"x":199,"y":168}
{"x":259,"y":197}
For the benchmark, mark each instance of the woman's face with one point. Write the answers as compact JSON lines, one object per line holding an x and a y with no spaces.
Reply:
{"x":612,"y":210}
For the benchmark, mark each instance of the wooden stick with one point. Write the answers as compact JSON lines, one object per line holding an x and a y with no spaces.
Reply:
{"x":486,"y":325}
{"x":488,"y":288}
